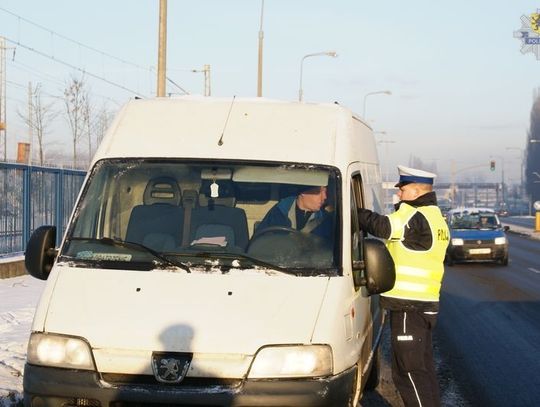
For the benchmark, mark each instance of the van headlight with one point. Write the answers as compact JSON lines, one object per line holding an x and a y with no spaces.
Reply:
{"x":292,"y":361}
{"x":457,"y":241}
{"x":500,"y":240}
{"x":59,"y":351}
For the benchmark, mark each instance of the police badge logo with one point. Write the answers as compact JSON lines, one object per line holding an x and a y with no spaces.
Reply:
{"x":170,"y":367}
{"x":529,"y":34}
{"x":535,"y":17}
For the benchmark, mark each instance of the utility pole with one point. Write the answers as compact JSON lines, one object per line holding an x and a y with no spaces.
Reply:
{"x":30,"y":122}
{"x":3,"y":124}
{"x":261,"y":37}
{"x":206,"y":71}
{"x":162,"y":48}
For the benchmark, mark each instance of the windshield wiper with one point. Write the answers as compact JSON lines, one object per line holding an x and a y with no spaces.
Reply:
{"x":133,"y":245}
{"x":238,"y":256}
{"x":296,"y":271}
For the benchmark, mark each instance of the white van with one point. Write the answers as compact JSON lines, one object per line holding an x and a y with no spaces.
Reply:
{"x":166,"y":291}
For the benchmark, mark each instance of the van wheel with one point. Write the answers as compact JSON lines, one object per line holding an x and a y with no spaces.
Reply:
{"x":504,"y":261}
{"x":375,"y":372}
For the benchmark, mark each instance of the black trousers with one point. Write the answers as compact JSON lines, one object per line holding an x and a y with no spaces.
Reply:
{"x":413,"y":368}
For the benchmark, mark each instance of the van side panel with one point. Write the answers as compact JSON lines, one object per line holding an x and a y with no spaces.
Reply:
{"x":339,"y":325}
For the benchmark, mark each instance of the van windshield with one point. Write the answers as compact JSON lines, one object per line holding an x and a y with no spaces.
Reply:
{"x":200,"y":215}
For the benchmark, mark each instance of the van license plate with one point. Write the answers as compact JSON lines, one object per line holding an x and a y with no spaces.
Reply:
{"x":480,"y":251}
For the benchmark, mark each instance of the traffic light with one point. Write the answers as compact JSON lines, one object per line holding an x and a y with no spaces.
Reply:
{"x":492,"y":165}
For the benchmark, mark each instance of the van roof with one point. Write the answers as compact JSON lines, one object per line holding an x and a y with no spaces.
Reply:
{"x":249,"y":129}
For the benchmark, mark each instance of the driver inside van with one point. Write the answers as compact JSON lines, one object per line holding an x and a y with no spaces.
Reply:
{"x":304,"y":212}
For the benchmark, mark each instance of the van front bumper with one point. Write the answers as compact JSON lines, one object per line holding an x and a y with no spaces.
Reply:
{"x":53,"y":387}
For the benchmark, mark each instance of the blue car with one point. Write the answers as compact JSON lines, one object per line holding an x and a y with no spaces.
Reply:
{"x":476,"y":234}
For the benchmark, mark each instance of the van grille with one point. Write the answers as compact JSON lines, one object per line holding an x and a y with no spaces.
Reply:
{"x":147,"y":380}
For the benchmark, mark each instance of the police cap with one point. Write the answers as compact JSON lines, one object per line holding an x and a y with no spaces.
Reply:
{"x":412,"y":175}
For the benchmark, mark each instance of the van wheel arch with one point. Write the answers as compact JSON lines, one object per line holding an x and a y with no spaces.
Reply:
{"x":356,"y":390}
{"x":372,"y":380}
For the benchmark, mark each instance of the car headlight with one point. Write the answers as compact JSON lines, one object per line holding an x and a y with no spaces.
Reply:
{"x":457,"y":241}
{"x":59,"y":351}
{"x":500,"y":240}
{"x":292,"y":361}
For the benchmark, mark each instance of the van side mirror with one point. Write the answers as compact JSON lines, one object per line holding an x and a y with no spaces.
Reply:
{"x":379,"y":268}
{"x":40,"y":252}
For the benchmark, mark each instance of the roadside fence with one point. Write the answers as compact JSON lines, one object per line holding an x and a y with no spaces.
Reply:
{"x":32,"y":196}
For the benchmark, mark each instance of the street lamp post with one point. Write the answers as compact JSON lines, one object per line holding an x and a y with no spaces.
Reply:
{"x":332,"y":54}
{"x":386,"y":177}
{"x":379,"y":92}
{"x":387,"y":170}
{"x":260,"y":61}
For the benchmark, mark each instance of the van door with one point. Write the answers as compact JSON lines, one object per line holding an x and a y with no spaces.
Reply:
{"x":361,"y":319}
{"x":368,"y":324}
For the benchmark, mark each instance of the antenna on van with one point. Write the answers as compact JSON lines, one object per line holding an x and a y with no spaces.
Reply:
{"x":220,"y":142}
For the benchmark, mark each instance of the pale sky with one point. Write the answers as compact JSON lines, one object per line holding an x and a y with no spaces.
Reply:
{"x":461,"y":89}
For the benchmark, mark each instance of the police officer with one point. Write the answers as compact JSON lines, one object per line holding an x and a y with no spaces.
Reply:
{"x":417,"y":237}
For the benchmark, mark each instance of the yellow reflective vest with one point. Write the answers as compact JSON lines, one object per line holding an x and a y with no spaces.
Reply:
{"x":419,"y":273}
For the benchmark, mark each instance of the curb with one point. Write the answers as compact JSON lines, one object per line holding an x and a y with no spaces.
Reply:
{"x":12,"y":269}
{"x":522,"y":231}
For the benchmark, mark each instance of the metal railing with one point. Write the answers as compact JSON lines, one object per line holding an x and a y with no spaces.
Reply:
{"x":32,"y":196}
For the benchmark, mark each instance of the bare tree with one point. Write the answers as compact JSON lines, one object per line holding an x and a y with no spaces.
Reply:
{"x":87,"y":124}
{"x":95,"y":123}
{"x":103,"y":121}
{"x":38,"y":118}
{"x":76,"y":98}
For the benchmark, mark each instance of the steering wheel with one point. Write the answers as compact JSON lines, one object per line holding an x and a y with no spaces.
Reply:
{"x":271,"y":229}
{"x":275,"y":229}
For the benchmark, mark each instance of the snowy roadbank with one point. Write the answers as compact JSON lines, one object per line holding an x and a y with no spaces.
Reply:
{"x":18,"y":299}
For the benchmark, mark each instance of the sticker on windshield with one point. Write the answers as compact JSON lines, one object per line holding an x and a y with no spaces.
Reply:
{"x":90,"y":255}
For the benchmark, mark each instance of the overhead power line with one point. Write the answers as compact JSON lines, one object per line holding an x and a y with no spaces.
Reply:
{"x":84,"y":71}
{"x":147,"y":68}
{"x":103,"y":53}
{"x":45,"y":77}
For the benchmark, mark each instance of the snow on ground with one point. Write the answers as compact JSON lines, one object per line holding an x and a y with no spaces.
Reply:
{"x":18,"y":300}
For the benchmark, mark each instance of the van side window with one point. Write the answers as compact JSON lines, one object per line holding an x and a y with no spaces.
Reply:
{"x":356,"y":233}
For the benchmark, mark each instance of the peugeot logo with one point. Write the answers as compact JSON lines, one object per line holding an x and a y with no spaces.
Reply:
{"x":479,"y":242}
{"x":170,"y":367}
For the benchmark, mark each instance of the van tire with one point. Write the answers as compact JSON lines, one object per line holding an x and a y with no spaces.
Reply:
{"x":372,"y":380}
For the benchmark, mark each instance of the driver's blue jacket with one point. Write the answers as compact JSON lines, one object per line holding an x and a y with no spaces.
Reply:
{"x":284,"y":214}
